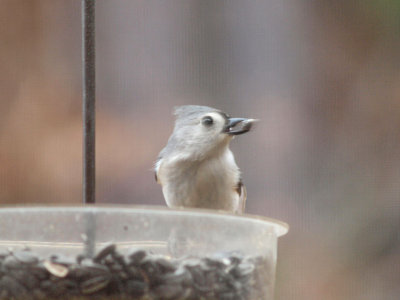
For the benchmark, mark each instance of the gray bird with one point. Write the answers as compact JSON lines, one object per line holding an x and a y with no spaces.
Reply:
{"x":196,"y":168}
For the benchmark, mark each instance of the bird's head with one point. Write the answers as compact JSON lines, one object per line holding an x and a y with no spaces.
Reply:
{"x":201,"y":131}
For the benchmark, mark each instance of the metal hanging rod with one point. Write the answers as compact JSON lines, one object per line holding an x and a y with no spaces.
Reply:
{"x":89,"y":92}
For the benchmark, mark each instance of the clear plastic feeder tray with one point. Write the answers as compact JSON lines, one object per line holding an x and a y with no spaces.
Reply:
{"x":112,"y":252}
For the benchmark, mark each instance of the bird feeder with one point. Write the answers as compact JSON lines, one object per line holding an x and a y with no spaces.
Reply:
{"x":131,"y":252}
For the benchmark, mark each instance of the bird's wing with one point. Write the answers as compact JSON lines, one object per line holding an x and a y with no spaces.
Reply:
{"x":157,"y":168}
{"x":155,"y":176}
{"x":241,"y":190}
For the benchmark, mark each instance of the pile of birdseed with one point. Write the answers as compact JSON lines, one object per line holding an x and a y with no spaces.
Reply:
{"x":137,"y":275}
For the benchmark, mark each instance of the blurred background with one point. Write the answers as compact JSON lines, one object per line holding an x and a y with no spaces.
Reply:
{"x":323,"y":77}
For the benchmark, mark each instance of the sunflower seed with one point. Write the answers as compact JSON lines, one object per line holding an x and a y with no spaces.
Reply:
{"x":10,"y":262}
{"x":105,"y":251}
{"x":55,"y":269}
{"x":136,"y":255}
{"x":94,"y":285}
{"x":26,"y":257}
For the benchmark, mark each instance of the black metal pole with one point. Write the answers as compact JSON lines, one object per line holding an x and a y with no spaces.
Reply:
{"x":89,"y":86}
{"x":89,"y":110}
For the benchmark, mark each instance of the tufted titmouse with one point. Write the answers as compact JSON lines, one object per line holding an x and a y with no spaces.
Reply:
{"x":196,"y":168}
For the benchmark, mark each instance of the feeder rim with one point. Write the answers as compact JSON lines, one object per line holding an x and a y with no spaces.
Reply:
{"x":281,"y":228}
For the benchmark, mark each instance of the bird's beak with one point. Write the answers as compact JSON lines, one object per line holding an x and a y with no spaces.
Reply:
{"x":236,"y":126}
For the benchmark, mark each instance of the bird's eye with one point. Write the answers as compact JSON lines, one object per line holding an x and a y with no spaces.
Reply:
{"x":207,"y":121}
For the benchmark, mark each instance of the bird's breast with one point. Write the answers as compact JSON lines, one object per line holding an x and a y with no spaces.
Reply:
{"x":206,"y":184}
